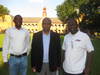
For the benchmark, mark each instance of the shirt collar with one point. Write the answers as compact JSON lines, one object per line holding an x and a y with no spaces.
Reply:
{"x":75,"y":33}
{"x":45,"y":34}
{"x":19,"y":29}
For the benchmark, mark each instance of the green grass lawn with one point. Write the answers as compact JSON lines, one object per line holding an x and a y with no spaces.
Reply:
{"x":95,"y":66}
{"x":1,"y":39}
{"x":96,"y":59}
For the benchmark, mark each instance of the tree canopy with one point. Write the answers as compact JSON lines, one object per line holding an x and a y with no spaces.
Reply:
{"x":69,"y":8}
{"x":92,"y":15}
{"x":3,"y":11}
{"x":74,"y":8}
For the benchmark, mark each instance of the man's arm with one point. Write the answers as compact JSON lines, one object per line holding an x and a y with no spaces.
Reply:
{"x":6,"y":44}
{"x":90,"y":51}
{"x":28,"y":42}
{"x":62,"y":56}
{"x":89,"y":63}
{"x":64,"y":46}
{"x":33,"y":53}
{"x":59,"y":51}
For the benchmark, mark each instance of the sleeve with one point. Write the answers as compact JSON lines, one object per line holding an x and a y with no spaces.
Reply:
{"x":58,"y":51}
{"x":89,"y":45}
{"x":33,"y":51}
{"x":28,"y":42}
{"x":64,"y":44}
{"x":6,"y":44}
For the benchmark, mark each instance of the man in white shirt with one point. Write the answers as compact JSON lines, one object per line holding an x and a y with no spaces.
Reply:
{"x":78,"y":47}
{"x":16,"y":43}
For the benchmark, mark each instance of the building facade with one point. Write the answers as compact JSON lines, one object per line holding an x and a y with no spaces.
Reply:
{"x":34,"y":24}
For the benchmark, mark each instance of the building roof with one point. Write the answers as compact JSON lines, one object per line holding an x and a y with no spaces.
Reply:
{"x":31,"y":20}
{"x":38,"y":19}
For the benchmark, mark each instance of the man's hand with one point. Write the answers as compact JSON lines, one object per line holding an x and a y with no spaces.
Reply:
{"x":58,"y":68}
{"x":33,"y":70}
{"x":6,"y":64}
{"x":86,"y":71}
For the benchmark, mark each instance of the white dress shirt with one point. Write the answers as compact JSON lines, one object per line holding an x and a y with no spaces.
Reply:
{"x":16,"y":42}
{"x":46,"y":42}
{"x":76,"y":48}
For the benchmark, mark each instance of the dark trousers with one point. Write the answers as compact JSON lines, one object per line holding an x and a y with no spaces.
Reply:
{"x":73,"y":74}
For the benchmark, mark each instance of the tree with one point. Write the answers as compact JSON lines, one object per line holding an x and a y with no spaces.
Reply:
{"x":92,"y":17}
{"x":90,"y":9}
{"x":3,"y":11}
{"x":68,"y":9}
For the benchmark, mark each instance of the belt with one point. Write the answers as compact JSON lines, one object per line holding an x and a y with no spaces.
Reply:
{"x":25,"y":54}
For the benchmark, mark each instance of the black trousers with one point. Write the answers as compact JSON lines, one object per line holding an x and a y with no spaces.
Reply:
{"x":73,"y":74}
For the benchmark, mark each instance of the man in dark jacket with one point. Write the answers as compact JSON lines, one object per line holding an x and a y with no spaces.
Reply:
{"x":46,"y":50}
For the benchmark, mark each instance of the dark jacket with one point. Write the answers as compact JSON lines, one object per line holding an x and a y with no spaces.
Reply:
{"x":54,"y":51}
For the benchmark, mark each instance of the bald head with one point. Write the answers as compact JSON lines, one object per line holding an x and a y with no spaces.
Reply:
{"x":46,"y":20}
{"x":46,"y":24}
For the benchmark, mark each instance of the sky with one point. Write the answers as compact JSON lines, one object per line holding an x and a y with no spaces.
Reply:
{"x":31,"y":8}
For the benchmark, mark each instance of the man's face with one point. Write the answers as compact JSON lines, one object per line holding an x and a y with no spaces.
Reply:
{"x":18,"y":21}
{"x":46,"y":26}
{"x":72,"y":26}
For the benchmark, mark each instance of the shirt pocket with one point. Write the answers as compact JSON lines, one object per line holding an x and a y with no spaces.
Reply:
{"x":79,"y":44}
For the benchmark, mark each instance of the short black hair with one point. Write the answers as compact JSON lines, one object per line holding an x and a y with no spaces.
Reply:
{"x":48,"y":20}
{"x":17,"y":16}
{"x":71,"y":19}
